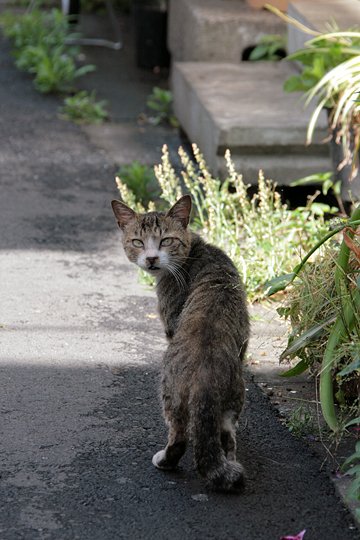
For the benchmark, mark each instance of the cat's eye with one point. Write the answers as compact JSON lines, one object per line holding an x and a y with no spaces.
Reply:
{"x":137,"y":243}
{"x":166,"y":242}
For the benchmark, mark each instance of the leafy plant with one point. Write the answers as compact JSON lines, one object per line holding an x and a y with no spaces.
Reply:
{"x":260,"y":233}
{"x":320,"y":55}
{"x":39,"y":40}
{"x":323,"y":52}
{"x":338,"y":88}
{"x":160,"y":103}
{"x":36,"y":27}
{"x":300,"y":422}
{"x":333,"y":299}
{"x":271,"y":47}
{"x":140,"y":181}
{"x":328,"y":184}
{"x":331,"y":75}
{"x":82,"y":108}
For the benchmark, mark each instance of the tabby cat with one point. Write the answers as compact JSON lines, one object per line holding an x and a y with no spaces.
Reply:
{"x":203,"y":308}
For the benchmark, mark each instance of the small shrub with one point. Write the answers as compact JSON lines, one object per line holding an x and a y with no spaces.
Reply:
{"x":160,"y":103}
{"x":301,"y":422}
{"x":140,"y":181}
{"x":320,"y":55}
{"x":330,"y":78}
{"x":39,"y":40}
{"x":48,"y":29}
{"x":271,"y":47}
{"x":326,"y":319}
{"x":82,"y":108}
{"x":312,"y":305}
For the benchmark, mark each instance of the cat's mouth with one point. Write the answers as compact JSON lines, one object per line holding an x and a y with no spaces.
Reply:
{"x":153,"y":268}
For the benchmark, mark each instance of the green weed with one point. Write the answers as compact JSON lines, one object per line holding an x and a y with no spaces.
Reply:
{"x":330,"y":76}
{"x":319,"y":56}
{"x":141,"y":181}
{"x":82,"y":108}
{"x":324,"y":310}
{"x":271,"y":47}
{"x":301,"y":422}
{"x":160,"y":102}
{"x":39,"y":41}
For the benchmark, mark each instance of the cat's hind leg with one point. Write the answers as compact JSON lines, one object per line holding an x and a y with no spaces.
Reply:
{"x":206,"y":427}
{"x":228,"y":435}
{"x":168,"y":458}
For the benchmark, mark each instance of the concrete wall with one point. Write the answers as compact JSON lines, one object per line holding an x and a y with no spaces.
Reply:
{"x":216,"y":30}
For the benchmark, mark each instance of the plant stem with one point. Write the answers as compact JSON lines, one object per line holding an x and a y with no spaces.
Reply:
{"x":344,"y":324}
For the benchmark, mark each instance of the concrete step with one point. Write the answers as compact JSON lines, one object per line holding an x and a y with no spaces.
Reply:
{"x":244,"y":108}
{"x":216,"y":30}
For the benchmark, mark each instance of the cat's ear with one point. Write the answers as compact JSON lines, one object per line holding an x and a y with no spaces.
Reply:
{"x":123,"y":213}
{"x":181,"y":210}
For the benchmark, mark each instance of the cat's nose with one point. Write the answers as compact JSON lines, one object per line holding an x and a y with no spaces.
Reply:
{"x":151,"y":261}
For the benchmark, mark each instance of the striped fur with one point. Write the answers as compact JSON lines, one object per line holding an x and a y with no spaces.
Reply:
{"x":203,"y":308}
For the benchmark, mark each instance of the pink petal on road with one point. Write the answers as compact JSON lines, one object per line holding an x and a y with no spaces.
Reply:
{"x":299,"y":536}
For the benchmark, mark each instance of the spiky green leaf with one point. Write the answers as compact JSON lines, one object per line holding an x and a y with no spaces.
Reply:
{"x":307,"y":337}
{"x":278,"y":283}
{"x":296,"y":370}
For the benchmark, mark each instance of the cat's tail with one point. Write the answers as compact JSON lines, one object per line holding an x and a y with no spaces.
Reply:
{"x":205,"y":429}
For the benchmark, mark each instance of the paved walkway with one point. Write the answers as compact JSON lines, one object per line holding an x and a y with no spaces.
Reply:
{"x":80,"y":347}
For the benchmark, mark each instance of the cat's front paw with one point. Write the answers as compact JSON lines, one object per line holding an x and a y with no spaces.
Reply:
{"x":159,"y":460}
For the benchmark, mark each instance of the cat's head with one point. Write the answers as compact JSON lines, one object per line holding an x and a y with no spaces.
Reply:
{"x":156,"y":241}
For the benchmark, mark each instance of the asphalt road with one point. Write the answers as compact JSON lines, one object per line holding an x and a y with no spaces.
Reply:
{"x":80,"y":349}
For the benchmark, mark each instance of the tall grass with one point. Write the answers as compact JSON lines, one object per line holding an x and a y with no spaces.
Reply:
{"x":260,"y":233}
{"x":324,"y":310}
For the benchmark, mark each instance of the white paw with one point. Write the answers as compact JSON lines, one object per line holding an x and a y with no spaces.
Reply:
{"x":158,"y":458}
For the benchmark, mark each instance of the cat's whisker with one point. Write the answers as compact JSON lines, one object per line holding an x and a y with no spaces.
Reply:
{"x":174,"y":275}
{"x":175,"y":260}
{"x":176,"y":271}
{"x":180,"y":269}
{"x":177,"y":275}
{"x":182,"y":279}
{"x":172,"y":272}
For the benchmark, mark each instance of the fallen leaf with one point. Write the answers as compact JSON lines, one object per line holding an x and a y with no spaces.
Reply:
{"x":350,"y":243}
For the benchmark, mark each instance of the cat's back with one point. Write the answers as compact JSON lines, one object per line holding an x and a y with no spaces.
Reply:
{"x":213,"y":275}
{"x":215,"y":309}
{"x":210,"y":262}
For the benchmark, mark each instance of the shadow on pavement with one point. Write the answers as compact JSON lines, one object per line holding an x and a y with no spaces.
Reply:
{"x":76,"y":462}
